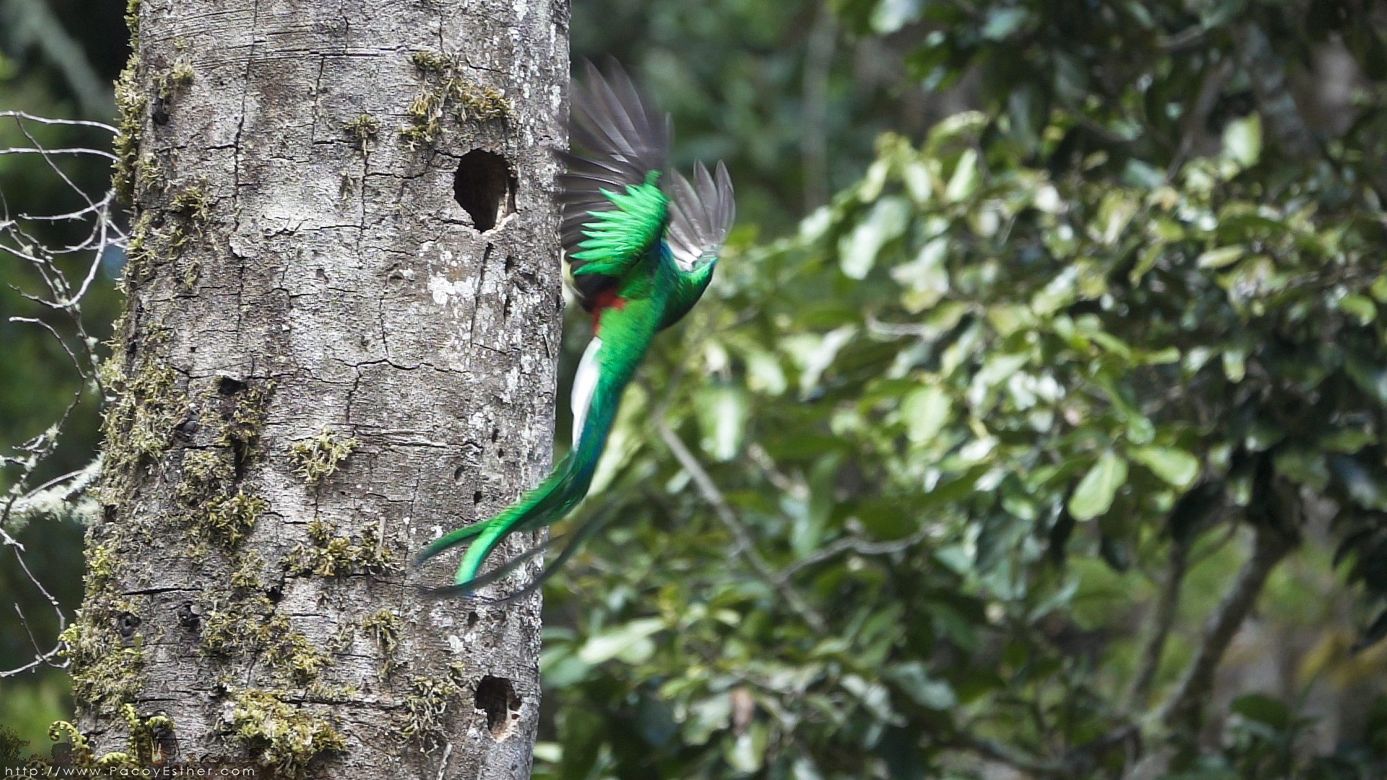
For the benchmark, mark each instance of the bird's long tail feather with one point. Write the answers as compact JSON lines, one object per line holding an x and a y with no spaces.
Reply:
{"x":572,"y":541}
{"x":544,"y":505}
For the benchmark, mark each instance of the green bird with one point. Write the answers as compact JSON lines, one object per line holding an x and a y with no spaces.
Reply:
{"x":641,"y":244}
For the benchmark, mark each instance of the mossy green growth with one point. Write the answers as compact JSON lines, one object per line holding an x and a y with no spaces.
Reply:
{"x":192,"y":202}
{"x":446,"y":92}
{"x":432,"y":62}
{"x":248,"y":573}
{"x":156,"y":242}
{"x":101,"y":567}
{"x":106,"y":667}
{"x":228,"y":519}
{"x":139,"y":421}
{"x":317,"y":458}
{"x":243,"y":426}
{"x":427,"y":704}
{"x":220,"y":510}
{"x":148,"y":742}
{"x":331,"y":555}
{"x":363,"y":131}
{"x":131,"y":104}
{"x":106,"y":671}
{"x":132,"y":21}
{"x":278,"y":734}
{"x":81,"y":754}
{"x":169,"y":82}
{"x":249,"y":626}
{"x":383,"y":626}
{"x":205,"y":474}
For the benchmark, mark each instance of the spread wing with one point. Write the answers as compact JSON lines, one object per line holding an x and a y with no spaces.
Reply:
{"x":700,"y":215}
{"x":613,"y":208}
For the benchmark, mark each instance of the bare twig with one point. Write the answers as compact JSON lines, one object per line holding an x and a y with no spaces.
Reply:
{"x":59,"y":315}
{"x":746,"y":545}
{"x":857,"y":545}
{"x":1162,"y":620}
{"x":1183,"y":711}
{"x":818,"y":59}
{"x":1002,"y":754}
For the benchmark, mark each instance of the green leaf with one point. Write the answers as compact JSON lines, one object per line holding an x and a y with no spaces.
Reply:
{"x":925,"y":278}
{"x":1242,"y":140}
{"x":722,"y":411}
{"x":706,"y":717}
{"x":1172,"y":464}
{"x":1221,"y":257}
{"x":1360,"y":307}
{"x":1003,"y":22}
{"x":561,"y":667}
{"x":1302,"y":465}
{"x":891,"y":15}
{"x":1366,"y":486}
{"x":929,"y":693}
{"x":1235,"y":364}
{"x":630,"y":641}
{"x":1262,"y":709}
{"x":1096,"y":490}
{"x":815,"y":353}
{"x":965,"y":178}
{"x":1370,"y":378}
{"x":926,"y":411}
{"x":747,"y":752}
{"x":858,"y":249}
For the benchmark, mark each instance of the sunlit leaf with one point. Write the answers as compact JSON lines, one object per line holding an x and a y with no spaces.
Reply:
{"x":722,"y":414}
{"x":858,"y":249}
{"x":1094,"y":494}
{"x":629,"y":640}
{"x":1242,"y":140}
{"x":1171,"y":464}
{"x":926,"y":411}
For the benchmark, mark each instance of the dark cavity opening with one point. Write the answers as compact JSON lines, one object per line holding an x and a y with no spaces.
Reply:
{"x":498,"y":699}
{"x":484,"y":186}
{"x":230,"y":386}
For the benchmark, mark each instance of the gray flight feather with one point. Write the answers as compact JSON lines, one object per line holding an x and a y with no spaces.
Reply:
{"x":700,"y":215}
{"x":616,"y":139}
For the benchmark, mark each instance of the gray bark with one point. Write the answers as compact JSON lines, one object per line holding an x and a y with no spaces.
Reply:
{"x":324,"y":363}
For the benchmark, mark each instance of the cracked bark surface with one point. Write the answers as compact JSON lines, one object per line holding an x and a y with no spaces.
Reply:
{"x":301,"y":272}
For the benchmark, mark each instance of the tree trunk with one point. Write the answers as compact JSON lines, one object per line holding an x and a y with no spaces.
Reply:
{"x":342,"y":326}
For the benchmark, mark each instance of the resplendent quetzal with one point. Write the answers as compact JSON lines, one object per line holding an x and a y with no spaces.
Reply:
{"x":641,"y":243}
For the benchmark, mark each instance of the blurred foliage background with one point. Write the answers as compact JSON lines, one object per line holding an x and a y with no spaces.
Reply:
{"x":1031,"y":428}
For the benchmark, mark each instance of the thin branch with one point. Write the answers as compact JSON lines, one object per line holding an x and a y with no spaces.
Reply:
{"x":1183,"y":711}
{"x":63,"y":150}
{"x":43,"y":120}
{"x":1002,"y":754}
{"x":853,"y":544}
{"x":60,"y":316}
{"x":818,"y":59}
{"x":746,"y":545}
{"x":1162,"y":620}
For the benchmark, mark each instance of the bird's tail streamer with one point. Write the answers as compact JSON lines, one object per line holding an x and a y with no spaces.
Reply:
{"x":547,"y":503}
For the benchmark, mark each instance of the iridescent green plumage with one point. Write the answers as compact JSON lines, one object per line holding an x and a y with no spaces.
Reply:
{"x":640,"y":257}
{"x":614,"y":238}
